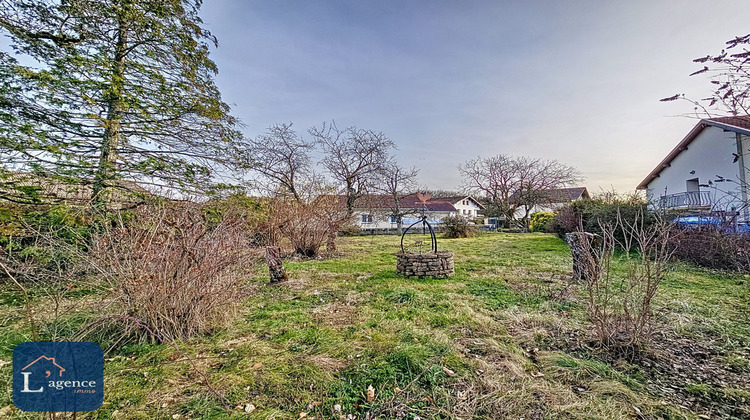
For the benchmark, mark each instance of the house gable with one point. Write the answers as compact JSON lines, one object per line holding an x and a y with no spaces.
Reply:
{"x":740,"y":125}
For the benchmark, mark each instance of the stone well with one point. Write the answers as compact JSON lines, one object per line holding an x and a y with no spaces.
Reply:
{"x":432,"y":264}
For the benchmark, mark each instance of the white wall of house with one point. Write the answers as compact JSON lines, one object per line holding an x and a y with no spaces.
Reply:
{"x":467,"y":208}
{"x":709,"y":155}
{"x":376,"y":219}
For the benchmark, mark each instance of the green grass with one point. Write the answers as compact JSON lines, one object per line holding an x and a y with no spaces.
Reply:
{"x":493,"y":341}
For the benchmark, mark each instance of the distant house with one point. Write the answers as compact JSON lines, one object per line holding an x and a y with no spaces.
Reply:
{"x":547,"y":200}
{"x":26,"y":187}
{"x":707,"y":170}
{"x":375,"y":212}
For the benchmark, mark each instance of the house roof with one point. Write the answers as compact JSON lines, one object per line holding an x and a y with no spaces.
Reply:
{"x":739,"y":124}
{"x":557,"y":195}
{"x":410,"y":201}
{"x":457,"y":198}
{"x":52,"y":189}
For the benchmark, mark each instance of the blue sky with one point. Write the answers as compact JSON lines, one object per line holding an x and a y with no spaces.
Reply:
{"x":576,"y":81}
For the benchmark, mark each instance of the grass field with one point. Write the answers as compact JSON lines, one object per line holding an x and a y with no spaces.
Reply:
{"x":506,"y":337}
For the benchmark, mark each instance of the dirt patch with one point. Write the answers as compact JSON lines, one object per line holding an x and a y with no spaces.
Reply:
{"x":696,"y":376}
{"x":329,"y":363}
{"x":691,"y":373}
{"x":336,"y":314}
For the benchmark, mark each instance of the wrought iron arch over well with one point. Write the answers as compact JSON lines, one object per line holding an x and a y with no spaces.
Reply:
{"x":425,"y":227}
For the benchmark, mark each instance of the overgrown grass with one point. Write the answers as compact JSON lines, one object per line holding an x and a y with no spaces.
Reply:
{"x":506,"y":337}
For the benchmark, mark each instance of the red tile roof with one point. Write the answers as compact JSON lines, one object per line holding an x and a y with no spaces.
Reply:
{"x":410,"y":201}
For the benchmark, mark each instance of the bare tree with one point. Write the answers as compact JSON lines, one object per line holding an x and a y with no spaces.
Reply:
{"x":283,"y":158}
{"x":353,"y":157}
{"x":536,"y":178}
{"x":729,"y":74}
{"x":396,"y":182}
{"x":493,"y":178}
{"x":510,"y":182}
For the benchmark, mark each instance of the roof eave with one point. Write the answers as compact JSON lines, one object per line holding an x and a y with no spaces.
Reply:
{"x":681,"y":147}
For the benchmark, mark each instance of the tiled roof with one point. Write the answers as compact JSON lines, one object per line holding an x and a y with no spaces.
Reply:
{"x":457,"y":198}
{"x":557,"y":195}
{"x":374,"y":201}
{"x":739,"y":124}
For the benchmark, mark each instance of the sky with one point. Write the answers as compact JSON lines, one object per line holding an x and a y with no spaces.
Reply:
{"x":448,"y":81}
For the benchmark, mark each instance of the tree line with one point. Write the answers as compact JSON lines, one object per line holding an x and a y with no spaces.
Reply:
{"x":107,"y":95}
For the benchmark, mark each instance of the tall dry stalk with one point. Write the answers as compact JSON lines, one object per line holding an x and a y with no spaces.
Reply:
{"x":620,"y":296}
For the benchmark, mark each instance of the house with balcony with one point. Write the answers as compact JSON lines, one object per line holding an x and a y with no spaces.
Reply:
{"x":706,"y":171}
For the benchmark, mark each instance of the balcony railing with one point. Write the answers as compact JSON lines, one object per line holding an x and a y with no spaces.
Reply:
{"x":691,"y":199}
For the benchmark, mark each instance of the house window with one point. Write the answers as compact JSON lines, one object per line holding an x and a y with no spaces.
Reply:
{"x":393,"y":219}
{"x":366,"y":218}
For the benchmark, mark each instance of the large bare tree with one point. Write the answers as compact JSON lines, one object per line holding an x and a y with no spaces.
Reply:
{"x":396,"y":182}
{"x":353,"y":157}
{"x":283,"y":159}
{"x":512,"y":182}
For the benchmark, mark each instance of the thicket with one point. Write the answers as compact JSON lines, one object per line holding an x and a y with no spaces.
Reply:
{"x":709,"y":246}
{"x":457,"y":227}
{"x":175,"y":271}
{"x":590,"y":215}
{"x":169,"y":270}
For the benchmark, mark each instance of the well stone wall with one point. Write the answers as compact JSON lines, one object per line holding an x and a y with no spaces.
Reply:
{"x":411,"y":264}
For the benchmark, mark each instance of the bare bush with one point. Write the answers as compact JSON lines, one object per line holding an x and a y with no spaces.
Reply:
{"x":173,"y":272}
{"x":308,"y":225}
{"x":708,"y":246}
{"x":457,"y":227}
{"x":619,"y":301}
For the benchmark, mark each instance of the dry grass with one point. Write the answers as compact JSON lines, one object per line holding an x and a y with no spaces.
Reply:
{"x":472,"y":346}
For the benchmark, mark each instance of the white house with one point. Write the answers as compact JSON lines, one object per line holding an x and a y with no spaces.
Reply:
{"x":549,"y":200}
{"x":375,"y":212}
{"x":465,"y":205}
{"x":707,"y":170}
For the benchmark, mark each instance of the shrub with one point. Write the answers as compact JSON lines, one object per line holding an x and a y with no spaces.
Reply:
{"x":42,"y":243}
{"x":457,"y":227}
{"x":176,"y":274}
{"x":707,"y":246}
{"x":539,"y":222}
{"x":619,"y":302}
{"x":350,"y":230}
{"x":307,"y":225}
{"x":590,"y":215}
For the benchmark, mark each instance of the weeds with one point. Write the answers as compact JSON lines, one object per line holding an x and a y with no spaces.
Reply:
{"x":172,"y":272}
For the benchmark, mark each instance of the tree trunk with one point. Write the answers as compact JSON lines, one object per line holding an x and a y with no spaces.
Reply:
{"x":331,"y":240}
{"x":585,"y":249}
{"x":276,"y":268}
{"x":112,"y":137}
{"x":350,"y":198}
